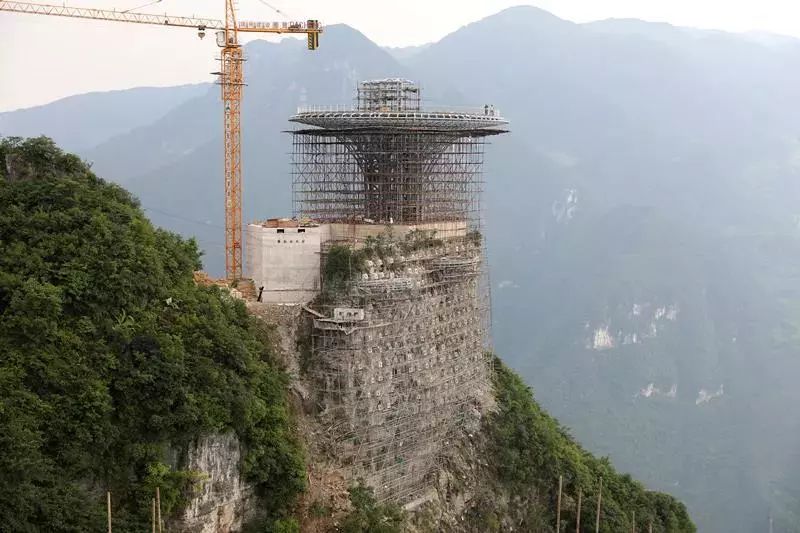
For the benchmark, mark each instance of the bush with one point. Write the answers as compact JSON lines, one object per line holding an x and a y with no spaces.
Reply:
{"x":342,"y":264}
{"x":368,"y":516}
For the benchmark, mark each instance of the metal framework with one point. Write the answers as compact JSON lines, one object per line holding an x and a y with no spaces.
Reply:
{"x":231,"y":80}
{"x":306,"y":27}
{"x":393,"y":94}
{"x":399,"y":383}
{"x":389,"y":161}
{"x":387,"y":177}
{"x":400,"y":363}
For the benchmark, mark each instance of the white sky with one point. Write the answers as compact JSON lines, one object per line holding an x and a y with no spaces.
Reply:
{"x":46,"y":58}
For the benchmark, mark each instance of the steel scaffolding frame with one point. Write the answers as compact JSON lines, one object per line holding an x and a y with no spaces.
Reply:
{"x":397,"y":385}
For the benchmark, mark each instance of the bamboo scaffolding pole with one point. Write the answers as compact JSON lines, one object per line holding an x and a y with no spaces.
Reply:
{"x":158,"y":508}
{"x":558,"y":511}
{"x":578,"y":519}
{"x":108,"y":509}
{"x":599,"y":502}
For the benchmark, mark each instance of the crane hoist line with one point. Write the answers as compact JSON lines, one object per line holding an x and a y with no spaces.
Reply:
{"x":230,"y":78}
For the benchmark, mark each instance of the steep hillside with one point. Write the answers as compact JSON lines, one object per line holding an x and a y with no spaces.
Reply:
{"x":506,"y":477}
{"x":114,"y":362}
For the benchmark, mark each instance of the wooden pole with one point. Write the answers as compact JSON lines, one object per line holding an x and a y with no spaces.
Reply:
{"x":599,"y":502}
{"x":578,"y":520}
{"x":158,"y":508}
{"x":558,"y":509}
{"x":650,"y":527}
{"x":633,"y":524}
{"x":108,"y":509}
{"x":153,"y":514}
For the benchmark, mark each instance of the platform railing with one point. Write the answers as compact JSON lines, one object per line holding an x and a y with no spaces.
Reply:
{"x":349,"y":108}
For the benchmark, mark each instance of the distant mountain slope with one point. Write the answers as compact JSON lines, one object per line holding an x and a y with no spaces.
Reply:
{"x":634,"y":217}
{"x":83,"y":121}
{"x":404,"y":53}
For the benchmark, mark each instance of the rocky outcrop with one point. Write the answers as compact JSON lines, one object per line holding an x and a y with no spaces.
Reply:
{"x":224,"y":501}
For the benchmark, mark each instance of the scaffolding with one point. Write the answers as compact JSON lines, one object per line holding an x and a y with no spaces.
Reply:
{"x":387,"y":177}
{"x":400,"y":357}
{"x":391,"y":94}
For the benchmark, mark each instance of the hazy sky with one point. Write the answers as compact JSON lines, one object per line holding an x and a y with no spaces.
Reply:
{"x":45,"y":58}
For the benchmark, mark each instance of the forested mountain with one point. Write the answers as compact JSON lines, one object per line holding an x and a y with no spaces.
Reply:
{"x":642,"y":225}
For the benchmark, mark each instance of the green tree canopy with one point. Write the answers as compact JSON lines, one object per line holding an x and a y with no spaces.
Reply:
{"x":112,"y":359}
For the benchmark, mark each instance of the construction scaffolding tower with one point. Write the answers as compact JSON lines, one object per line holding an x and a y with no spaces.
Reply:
{"x":400,"y":359}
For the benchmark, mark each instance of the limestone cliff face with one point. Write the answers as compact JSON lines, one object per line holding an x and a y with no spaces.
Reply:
{"x":224,"y":502}
{"x":399,"y":361}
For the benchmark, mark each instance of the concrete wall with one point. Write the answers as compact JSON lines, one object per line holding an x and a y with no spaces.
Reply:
{"x":359,"y":232}
{"x":285,"y":261}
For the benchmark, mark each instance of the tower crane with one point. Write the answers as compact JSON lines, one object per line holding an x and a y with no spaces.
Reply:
{"x":230,"y":79}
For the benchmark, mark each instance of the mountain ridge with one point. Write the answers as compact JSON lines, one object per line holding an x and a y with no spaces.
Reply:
{"x":106,"y":114}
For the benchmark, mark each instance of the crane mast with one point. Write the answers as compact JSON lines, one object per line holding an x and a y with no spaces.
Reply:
{"x":231,"y":81}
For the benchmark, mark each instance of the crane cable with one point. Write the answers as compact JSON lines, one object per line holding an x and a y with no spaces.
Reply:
{"x":140,"y":7}
{"x":275,"y":9}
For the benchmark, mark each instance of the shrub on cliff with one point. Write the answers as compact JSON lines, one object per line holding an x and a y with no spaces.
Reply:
{"x":530,"y":450}
{"x":111,"y":357}
{"x":369,"y":516}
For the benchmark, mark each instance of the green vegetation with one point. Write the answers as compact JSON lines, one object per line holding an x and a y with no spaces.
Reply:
{"x":340,"y":264}
{"x":419,"y":240}
{"x":368,"y":516}
{"x":319,"y":510}
{"x":343,"y":261}
{"x":475,"y":237}
{"x":529,"y":450}
{"x":113,"y":359}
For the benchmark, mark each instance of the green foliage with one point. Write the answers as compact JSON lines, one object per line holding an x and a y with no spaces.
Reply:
{"x":113,"y":359}
{"x":368,"y":516}
{"x":176,"y":487}
{"x":289,"y":525}
{"x":319,"y":510}
{"x":380,"y":246}
{"x":343,"y":262}
{"x":340,"y":265}
{"x":475,"y":237}
{"x":530,"y":450}
{"x":418,"y":240}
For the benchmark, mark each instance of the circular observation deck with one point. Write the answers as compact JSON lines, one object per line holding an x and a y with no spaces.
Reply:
{"x":346,"y":119}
